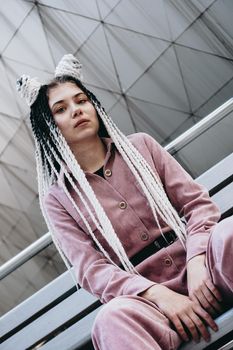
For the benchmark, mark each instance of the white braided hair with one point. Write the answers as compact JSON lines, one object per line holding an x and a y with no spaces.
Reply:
{"x":146,"y":177}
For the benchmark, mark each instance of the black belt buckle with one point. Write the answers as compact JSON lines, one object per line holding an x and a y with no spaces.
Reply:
{"x":171,"y":237}
{"x":157,"y":245}
{"x":165,"y":240}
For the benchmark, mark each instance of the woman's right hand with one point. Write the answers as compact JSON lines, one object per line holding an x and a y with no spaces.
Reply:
{"x":184,"y":313}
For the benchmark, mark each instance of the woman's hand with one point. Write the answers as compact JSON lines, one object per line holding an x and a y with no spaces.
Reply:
{"x":200,"y":287}
{"x":184,"y":313}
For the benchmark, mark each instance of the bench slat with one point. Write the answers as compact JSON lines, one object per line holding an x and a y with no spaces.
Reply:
{"x":218,"y":173}
{"x":75,"y":336}
{"x":51,"y":320}
{"x":36,"y":302}
{"x":224,"y":198}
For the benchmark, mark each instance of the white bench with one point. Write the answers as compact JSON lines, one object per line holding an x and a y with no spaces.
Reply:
{"x":59,"y":317}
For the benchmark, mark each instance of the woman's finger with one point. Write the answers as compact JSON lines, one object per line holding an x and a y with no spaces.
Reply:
{"x":213,"y":290}
{"x":200,"y":298}
{"x":212,"y":301}
{"x":207,"y":298}
{"x":201,"y":327}
{"x":179,"y":328}
{"x":191,"y":326}
{"x":205,"y":316}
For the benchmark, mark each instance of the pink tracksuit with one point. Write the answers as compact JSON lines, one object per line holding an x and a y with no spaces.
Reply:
{"x":128,"y":321}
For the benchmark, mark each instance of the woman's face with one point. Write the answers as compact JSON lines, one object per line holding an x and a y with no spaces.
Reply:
{"x":73,"y":113}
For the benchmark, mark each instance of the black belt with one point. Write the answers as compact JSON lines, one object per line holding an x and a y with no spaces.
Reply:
{"x":161,"y":242}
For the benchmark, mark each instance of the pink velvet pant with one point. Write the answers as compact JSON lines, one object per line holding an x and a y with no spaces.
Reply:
{"x":132,"y":322}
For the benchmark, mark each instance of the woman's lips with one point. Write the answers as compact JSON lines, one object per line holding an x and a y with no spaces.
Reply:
{"x":81,"y":122}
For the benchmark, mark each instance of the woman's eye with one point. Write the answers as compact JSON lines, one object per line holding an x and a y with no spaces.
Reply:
{"x":60,"y":110}
{"x":82,"y":101}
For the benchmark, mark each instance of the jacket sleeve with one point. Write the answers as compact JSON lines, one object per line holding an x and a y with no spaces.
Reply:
{"x":190,"y":199}
{"x":93,"y":271}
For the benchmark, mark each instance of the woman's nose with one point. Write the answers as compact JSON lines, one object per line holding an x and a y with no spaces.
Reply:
{"x":76,"y":110}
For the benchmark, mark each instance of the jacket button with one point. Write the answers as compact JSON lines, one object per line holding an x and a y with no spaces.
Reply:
{"x":107,"y":172}
{"x":144,"y":236}
{"x":122,"y":205}
{"x":167,"y":262}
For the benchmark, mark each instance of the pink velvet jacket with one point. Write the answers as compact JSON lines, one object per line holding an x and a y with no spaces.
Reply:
{"x":130,"y":214}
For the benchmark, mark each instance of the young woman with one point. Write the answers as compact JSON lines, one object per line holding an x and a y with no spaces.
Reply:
{"x":105,"y":198}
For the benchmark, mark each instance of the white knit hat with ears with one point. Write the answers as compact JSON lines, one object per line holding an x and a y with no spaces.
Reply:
{"x":28,"y":88}
{"x":69,"y":65}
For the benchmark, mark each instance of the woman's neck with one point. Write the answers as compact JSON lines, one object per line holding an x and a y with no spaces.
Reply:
{"x":90,"y":155}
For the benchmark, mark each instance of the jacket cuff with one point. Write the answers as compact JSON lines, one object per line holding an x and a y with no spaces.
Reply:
{"x":137,"y":285}
{"x":196,"y":245}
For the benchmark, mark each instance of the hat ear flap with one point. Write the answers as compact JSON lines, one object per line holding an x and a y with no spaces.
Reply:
{"x":28,"y":88}
{"x":69,"y":65}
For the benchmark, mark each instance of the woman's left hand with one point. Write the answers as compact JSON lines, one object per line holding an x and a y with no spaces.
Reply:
{"x":200,"y":287}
